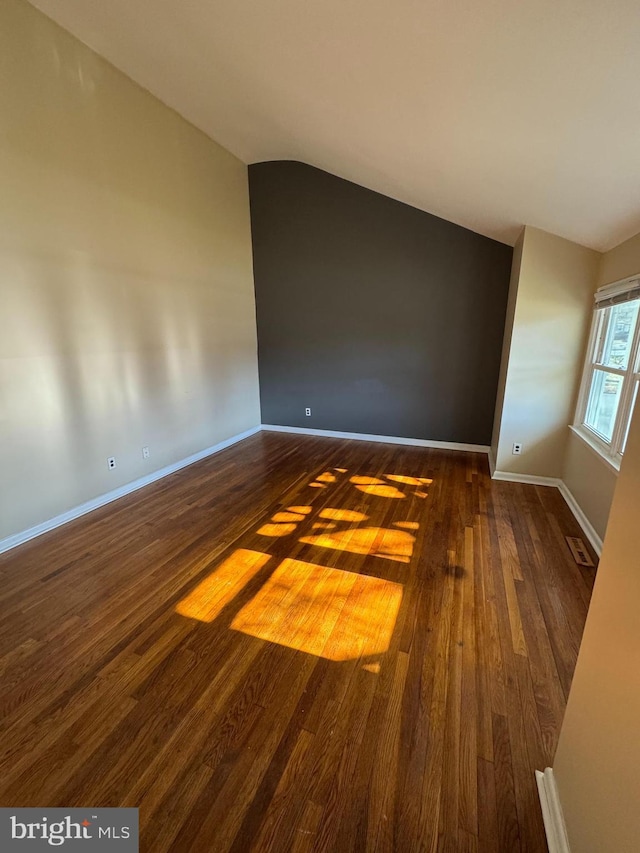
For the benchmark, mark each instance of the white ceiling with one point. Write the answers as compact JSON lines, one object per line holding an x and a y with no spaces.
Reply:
{"x":491,"y":114}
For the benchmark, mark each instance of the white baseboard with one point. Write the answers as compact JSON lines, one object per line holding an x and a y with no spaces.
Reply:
{"x":581,"y":518}
{"x":385,"y":439}
{"x":554,"y":824}
{"x":528,"y":479}
{"x":24,"y":536}
{"x":101,"y":500}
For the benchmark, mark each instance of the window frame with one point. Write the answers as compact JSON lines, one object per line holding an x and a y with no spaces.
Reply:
{"x":612,"y":451}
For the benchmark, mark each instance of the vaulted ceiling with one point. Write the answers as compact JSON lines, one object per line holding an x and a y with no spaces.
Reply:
{"x":491,"y":114}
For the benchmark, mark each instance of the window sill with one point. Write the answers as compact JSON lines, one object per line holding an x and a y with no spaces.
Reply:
{"x":593,"y":445}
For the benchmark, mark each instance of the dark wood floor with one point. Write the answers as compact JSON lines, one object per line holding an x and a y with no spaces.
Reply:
{"x":298,"y":644}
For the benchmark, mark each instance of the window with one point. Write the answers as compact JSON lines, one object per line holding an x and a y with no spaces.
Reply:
{"x":612,"y":372}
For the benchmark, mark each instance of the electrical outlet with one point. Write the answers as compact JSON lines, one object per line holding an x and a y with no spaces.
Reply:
{"x":145,"y":453}
{"x":111,"y":463}
{"x":517,"y":449}
{"x":307,"y":412}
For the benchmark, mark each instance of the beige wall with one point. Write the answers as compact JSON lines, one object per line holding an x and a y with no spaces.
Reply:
{"x":550,"y":325}
{"x":621,"y":262}
{"x":127,"y":308}
{"x":590,"y":480}
{"x":597,"y":764}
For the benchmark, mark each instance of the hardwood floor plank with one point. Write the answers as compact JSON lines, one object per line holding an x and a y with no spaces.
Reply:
{"x":504,"y":786}
{"x":468,"y":770}
{"x":307,"y":831}
{"x":382,"y":788}
{"x":483,"y":657}
{"x":506,"y":539}
{"x":488,"y":834}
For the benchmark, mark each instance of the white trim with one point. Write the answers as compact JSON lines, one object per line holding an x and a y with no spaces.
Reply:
{"x":492,"y":464}
{"x":611,"y":451}
{"x":585,"y":379}
{"x":581,"y":518}
{"x":554,"y":825}
{"x":384,"y":439}
{"x":19,"y":538}
{"x":528,"y":479}
{"x":626,"y":286}
{"x":101,"y":500}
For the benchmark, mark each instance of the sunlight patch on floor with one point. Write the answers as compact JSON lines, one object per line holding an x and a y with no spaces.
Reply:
{"x":217,"y":590}
{"x":281,"y":517}
{"x":276,"y":529}
{"x":326,"y":612}
{"x":409,"y":481}
{"x":373,"y":541}
{"x":342,"y":515}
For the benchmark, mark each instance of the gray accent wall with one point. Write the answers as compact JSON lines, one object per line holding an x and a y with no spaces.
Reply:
{"x":382,"y":318}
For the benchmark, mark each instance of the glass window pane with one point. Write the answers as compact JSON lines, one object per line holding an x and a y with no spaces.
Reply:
{"x":619,"y":334}
{"x":604,"y":399}
{"x":633,"y":405}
